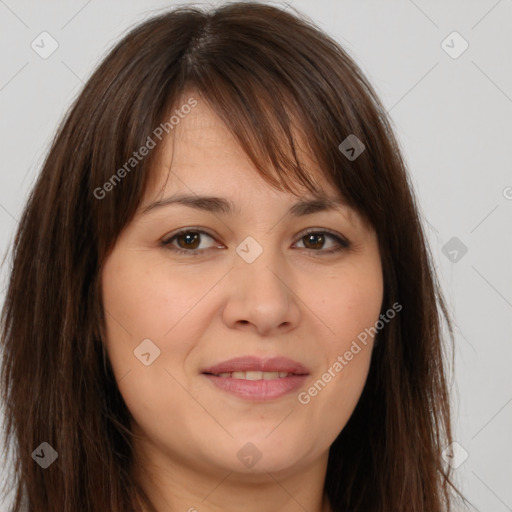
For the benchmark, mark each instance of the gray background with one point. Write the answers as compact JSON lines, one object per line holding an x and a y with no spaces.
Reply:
{"x":452,"y":117}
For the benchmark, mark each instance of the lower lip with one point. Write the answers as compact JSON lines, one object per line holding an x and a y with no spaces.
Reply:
{"x":258,"y":389}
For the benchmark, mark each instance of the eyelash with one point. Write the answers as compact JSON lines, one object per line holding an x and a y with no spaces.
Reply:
{"x":343,"y":243}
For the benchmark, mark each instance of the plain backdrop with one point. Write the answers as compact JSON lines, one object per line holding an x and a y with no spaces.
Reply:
{"x":451,"y":107}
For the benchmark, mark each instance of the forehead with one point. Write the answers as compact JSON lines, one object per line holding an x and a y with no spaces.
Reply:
{"x":201,"y":164}
{"x":201,"y":153}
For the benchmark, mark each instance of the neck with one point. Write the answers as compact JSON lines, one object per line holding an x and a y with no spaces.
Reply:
{"x":188,"y":487}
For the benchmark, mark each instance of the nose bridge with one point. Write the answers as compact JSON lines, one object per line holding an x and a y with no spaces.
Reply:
{"x":261,"y":261}
{"x":260,"y":294}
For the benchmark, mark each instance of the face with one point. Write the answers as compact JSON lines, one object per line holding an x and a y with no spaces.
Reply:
{"x":234,"y":336}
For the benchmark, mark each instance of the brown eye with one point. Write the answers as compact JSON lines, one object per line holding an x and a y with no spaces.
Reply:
{"x":187,"y":242}
{"x":316,"y":240}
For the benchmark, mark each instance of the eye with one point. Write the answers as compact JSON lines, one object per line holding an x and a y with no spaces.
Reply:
{"x":189,"y":241}
{"x":315,"y":238}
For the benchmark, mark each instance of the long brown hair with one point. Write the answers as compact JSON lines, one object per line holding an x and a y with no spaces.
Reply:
{"x":268,"y":74}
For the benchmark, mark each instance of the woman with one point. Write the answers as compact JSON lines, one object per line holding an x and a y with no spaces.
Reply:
{"x":295,"y":361}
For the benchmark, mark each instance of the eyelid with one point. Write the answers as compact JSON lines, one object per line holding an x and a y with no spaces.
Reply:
{"x":167,"y":238}
{"x":340,"y":238}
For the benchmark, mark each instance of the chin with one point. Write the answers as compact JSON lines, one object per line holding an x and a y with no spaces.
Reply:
{"x":263,"y":453}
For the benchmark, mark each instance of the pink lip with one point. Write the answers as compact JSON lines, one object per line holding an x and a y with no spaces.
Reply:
{"x":258,"y":390}
{"x":252,"y":363}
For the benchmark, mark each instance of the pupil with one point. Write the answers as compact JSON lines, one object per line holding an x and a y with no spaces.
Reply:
{"x":312,"y":236}
{"x":189,"y":238}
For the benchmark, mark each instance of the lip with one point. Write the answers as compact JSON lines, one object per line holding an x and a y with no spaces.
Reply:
{"x":258,"y":390}
{"x":252,"y":363}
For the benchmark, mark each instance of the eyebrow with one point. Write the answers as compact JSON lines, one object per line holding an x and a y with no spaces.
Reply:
{"x":225,"y":206}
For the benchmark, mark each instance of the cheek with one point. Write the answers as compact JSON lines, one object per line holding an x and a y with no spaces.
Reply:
{"x":351,"y":305}
{"x":138,"y":297}
{"x":142,"y":300}
{"x":352,"y":302}
{"x":142,"y":303}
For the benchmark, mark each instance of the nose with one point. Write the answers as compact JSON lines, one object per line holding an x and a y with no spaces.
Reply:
{"x":261,"y":295}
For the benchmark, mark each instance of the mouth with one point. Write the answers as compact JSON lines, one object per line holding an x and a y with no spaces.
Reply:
{"x":257,"y":379}
{"x":252,"y":375}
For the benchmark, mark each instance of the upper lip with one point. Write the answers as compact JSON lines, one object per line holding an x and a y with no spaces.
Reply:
{"x":252,"y":363}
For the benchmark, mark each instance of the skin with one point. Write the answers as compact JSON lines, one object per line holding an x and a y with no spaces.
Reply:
{"x":291,"y":301}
